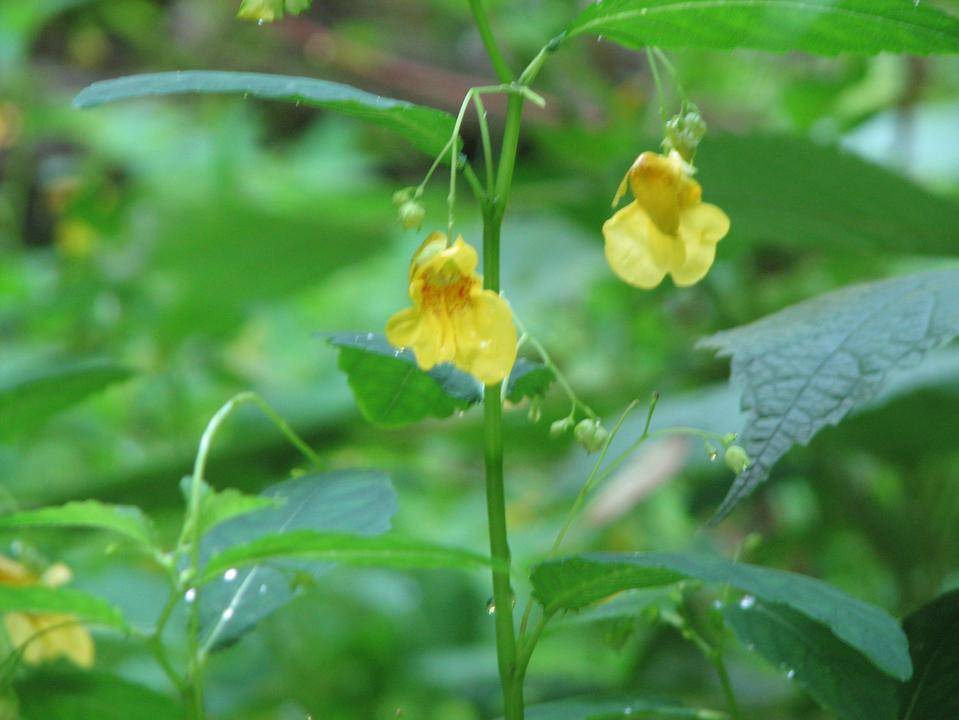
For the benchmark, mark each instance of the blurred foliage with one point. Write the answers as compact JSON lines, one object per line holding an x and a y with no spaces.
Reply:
{"x":202,"y":244}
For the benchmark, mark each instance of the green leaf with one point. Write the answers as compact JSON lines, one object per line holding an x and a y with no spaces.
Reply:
{"x":390,"y":388}
{"x":824,"y":27}
{"x":933,"y":691}
{"x":835,"y":675}
{"x":807,"y":366}
{"x":575,"y":582}
{"x":217,"y":506}
{"x":41,"y":599}
{"x":29,"y":399}
{"x":797,"y":192}
{"x":84,"y":696}
{"x":528,"y":379}
{"x":125,"y":520}
{"x":381,"y":551}
{"x":597,"y":709}
{"x":428,"y":129}
{"x":347,"y":501}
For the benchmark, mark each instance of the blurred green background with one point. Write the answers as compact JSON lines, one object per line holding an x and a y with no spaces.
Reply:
{"x":204,"y":243}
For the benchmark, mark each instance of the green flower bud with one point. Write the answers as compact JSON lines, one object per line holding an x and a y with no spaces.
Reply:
{"x":590,"y":434}
{"x":403,"y":196}
{"x":560,"y":427}
{"x":684,"y":133}
{"x":736,"y":459}
{"x":729,"y":439}
{"x":412,"y":214}
{"x":535,"y":412}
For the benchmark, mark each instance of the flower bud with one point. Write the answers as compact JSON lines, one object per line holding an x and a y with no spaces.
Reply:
{"x":412,"y":214}
{"x":729,"y":438}
{"x":590,"y":434}
{"x":736,"y":459}
{"x":684,"y":133}
{"x":402,"y":196}
{"x":560,"y":427}
{"x":535,"y":412}
{"x":262,"y":11}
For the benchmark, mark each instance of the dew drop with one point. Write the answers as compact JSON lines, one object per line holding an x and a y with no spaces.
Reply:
{"x":790,"y":674}
{"x":627,"y":711}
{"x":369,"y":336}
{"x":228,"y":614}
{"x":491,"y":607}
{"x":262,"y":590}
{"x":747,"y":602}
{"x":230,"y":575}
{"x":712,"y":455}
{"x":261,"y":22}
{"x":190,"y":595}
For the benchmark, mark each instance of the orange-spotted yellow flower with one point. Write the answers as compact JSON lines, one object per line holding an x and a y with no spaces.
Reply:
{"x":667,"y":228}
{"x":45,"y":636}
{"x":453,"y":319}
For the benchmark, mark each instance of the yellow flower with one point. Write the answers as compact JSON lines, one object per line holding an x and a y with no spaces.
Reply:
{"x":45,"y":636}
{"x":453,"y":319}
{"x":666,"y":229}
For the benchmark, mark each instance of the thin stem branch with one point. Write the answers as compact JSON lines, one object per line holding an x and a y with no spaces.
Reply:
{"x":659,"y":85}
{"x":487,"y":145}
{"x":500,"y":66}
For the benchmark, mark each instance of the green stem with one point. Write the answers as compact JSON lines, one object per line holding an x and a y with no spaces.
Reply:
{"x":731,"y":703}
{"x":659,"y":85}
{"x":500,"y":66}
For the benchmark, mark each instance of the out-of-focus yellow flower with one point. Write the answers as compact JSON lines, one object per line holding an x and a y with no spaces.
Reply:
{"x":667,"y":228}
{"x":75,"y":238}
{"x":453,"y":319}
{"x":45,"y":636}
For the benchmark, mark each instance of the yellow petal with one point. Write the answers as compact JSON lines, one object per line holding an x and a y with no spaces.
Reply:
{"x":72,"y":641}
{"x":656,"y":182}
{"x":56,"y":575}
{"x":419,"y":331}
{"x":700,"y":228}
{"x":485,"y":338}
{"x":434,"y":244}
{"x":621,"y":190}
{"x":13,"y":573}
{"x":636,"y":250}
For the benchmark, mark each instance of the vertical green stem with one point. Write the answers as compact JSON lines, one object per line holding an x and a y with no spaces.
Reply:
{"x":492,"y":49}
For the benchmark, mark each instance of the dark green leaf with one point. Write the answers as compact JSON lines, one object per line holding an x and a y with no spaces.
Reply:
{"x":528,"y":379}
{"x":380,"y":551}
{"x":123,"y":519}
{"x":428,"y":129}
{"x":391,"y":390}
{"x":807,"y":366}
{"x":358,"y":502}
{"x":824,"y":27}
{"x":933,"y":691}
{"x":28,"y":399}
{"x":85,"y":696}
{"x":41,"y":599}
{"x":575,"y":582}
{"x":597,"y":709}
{"x":835,"y":675}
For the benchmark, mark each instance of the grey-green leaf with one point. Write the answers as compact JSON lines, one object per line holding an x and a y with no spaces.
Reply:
{"x":824,"y":27}
{"x":528,"y":379}
{"x":124,"y":520}
{"x":41,"y":599}
{"x":380,"y":551}
{"x":348,"y":501}
{"x":575,"y":582}
{"x":809,"y":365}
{"x":609,"y":709}
{"x":933,"y":691}
{"x":218,"y":506}
{"x":427,"y":128}
{"x":835,"y":675}
{"x":28,"y":399}
{"x":84,"y":696}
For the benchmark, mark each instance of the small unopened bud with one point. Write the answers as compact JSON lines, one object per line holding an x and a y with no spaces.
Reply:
{"x":736,"y":459}
{"x":412,"y":214}
{"x":535,"y":412}
{"x":590,"y":434}
{"x":729,"y":439}
{"x":560,"y":427}
{"x":684,"y":133}
{"x":403,"y":195}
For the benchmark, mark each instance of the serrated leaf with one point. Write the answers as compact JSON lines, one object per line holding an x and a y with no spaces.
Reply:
{"x":933,"y":691}
{"x":380,"y":551}
{"x":29,"y":399}
{"x":824,"y":27}
{"x":217,"y":506}
{"x":575,"y":582}
{"x":390,"y":388}
{"x":528,"y":379}
{"x":807,"y":366}
{"x":41,"y":599}
{"x":125,"y":520}
{"x":609,"y":709}
{"x":427,"y":128}
{"x":84,"y":696}
{"x":347,"y":501}
{"x":835,"y":675}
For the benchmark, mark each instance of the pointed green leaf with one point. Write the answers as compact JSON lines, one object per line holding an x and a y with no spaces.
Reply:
{"x":379,"y":551}
{"x":528,"y":379}
{"x":428,"y":129}
{"x":125,"y":520}
{"x":217,"y":506}
{"x":613,"y":708}
{"x":575,"y":582}
{"x":807,"y":366}
{"x":933,"y":691}
{"x":824,"y":27}
{"x":835,"y":675}
{"x":28,"y":399}
{"x":41,"y":599}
